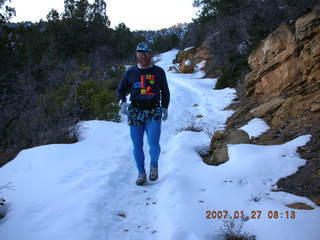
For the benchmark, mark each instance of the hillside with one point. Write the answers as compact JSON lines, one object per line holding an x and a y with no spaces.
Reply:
{"x":86,"y":190}
{"x":282,"y":87}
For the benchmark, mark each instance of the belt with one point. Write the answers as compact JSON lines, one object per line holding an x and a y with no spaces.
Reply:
{"x":145,"y":105}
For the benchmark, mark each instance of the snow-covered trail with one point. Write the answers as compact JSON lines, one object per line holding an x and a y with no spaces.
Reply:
{"x":87,"y":190}
{"x":140,"y":204}
{"x":192,"y":97}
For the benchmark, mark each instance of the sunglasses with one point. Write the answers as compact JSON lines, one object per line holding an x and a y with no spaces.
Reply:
{"x":144,"y":53}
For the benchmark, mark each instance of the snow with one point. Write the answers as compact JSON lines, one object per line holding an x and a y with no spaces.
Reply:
{"x":187,"y":62}
{"x":201,"y":64}
{"x":255,"y":127}
{"x":198,"y":73}
{"x":126,"y":67}
{"x":187,"y":49}
{"x":87,"y":190}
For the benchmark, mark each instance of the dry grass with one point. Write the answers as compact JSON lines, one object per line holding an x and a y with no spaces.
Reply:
{"x":232,"y":229}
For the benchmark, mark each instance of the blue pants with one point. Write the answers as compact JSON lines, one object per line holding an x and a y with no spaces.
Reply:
{"x":153,"y":130}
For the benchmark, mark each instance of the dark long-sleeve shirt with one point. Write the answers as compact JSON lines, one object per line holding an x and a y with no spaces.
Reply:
{"x":145,"y":84}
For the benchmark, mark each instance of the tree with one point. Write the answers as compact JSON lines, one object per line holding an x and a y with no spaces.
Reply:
{"x":83,"y":28}
{"x":166,"y":41}
{"x":210,"y":9}
{"x":98,"y":14}
{"x":207,"y":12}
{"x":123,"y":41}
{"x":53,"y":16}
{"x":6,"y":12}
{"x":82,"y":10}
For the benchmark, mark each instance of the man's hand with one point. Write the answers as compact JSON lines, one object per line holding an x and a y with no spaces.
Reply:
{"x":124,"y":108}
{"x":165,"y":114}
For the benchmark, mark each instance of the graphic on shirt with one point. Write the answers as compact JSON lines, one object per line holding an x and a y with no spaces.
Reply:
{"x":146,"y":82}
{"x":137,"y":85}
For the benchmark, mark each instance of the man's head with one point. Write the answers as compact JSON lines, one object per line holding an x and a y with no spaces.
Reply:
{"x":144,"y":54}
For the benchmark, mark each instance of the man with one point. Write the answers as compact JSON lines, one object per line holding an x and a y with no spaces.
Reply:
{"x":150,"y":96}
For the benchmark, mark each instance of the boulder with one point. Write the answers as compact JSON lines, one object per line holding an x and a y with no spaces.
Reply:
{"x":219,"y":141}
{"x":267,"y":108}
{"x":237,"y":136}
{"x":186,"y":67}
{"x":190,"y":57}
{"x":287,"y":62}
{"x":285,"y":74}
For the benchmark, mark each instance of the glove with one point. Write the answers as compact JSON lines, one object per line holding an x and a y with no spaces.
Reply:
{"x":165,"y":114}
{"x":124,"y":108}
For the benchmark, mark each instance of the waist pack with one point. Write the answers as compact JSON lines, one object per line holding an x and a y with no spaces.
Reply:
{"x":145,"y":105}
{"x":138,"y":117}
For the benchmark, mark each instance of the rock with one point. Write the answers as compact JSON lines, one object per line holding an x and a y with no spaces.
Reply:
{"x":277,"y":46}
{"x":218,"y":156}
{"x":299,"y":205}
{"x":316,"y":200}
{"x":284,"y":89}
{"x":249,"y":83}
{"x":221,"y":155}
{"x":308,"y":24}
{"x":184,"y":68}
{"x":173,"y":69}
{"x":273,"y":82}
{"x":219,"y":141}
{"x":190,"y":57}
{"x":295,"y":108}
{"x":286,"y":62}
{"x":266,"y":108}
{"x":237,"y":136}
{"x":3,"y":208}
{"x":315,"y":107}
{"x":284,"y":80}
{"x":218,"y":135}
{"x":122,"y":214}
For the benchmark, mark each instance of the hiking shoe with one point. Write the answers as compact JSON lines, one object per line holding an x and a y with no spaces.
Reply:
{"x":153,"y":173}
{"x":142,"y":179}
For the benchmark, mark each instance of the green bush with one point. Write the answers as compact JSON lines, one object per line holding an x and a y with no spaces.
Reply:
{"x":85,"y":97}
{"x":234,"y":71}
{"x":167,"y":42}
{"x":98,"y":100}
{"x":103,"y":105}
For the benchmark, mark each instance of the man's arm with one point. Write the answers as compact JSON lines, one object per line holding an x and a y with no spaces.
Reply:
{"x":165,"y":93}
{"x":123,"y":88}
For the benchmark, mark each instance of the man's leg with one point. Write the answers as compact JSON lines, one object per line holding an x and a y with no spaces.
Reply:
{"x":136,"y":133}
{"x":153,"y":129}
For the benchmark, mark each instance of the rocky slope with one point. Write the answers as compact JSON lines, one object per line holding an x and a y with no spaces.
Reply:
{"x":190,"y":57}
{"x":283,"y":89}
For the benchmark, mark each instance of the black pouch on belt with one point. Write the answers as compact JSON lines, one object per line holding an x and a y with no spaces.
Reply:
{"x":145,"y":105}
